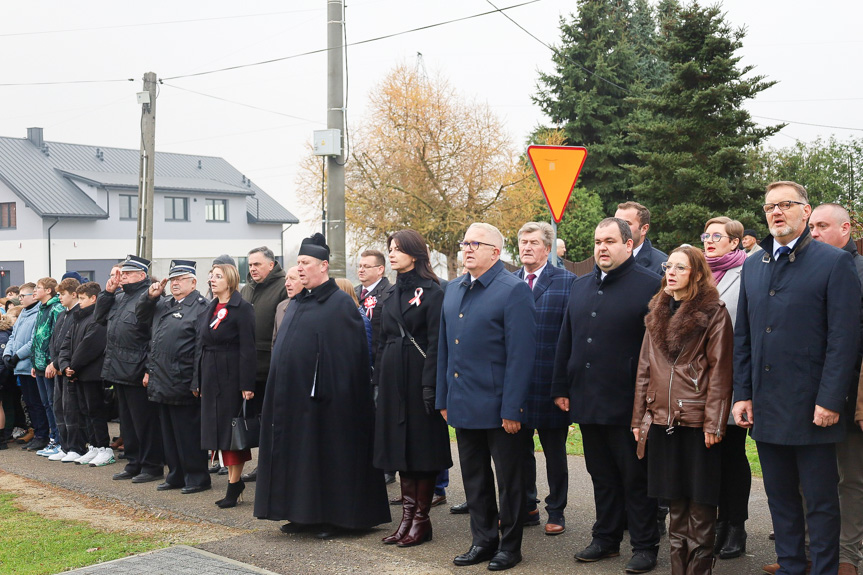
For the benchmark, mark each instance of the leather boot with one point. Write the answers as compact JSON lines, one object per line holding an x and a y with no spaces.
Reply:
{"x":678,"y":527}
{"x":721,"y":534}
{"x":702,"y":535}
{"x":421,"y":528}
{"x":409,"y":505}
{"x":235,"y":491}
{"x":735,"y":544}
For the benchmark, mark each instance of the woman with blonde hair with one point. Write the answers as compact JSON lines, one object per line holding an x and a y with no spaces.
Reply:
{"x":682,"y":402}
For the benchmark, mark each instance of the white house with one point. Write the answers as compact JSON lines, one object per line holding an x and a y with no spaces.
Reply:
{"x":70,"y":207}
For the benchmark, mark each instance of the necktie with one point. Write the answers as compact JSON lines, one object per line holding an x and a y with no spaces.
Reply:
{"x":363,"y":294}
{"x":782,"y":250}
{"x":530,"y":278}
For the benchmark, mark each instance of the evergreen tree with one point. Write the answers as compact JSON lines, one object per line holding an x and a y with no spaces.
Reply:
{"x":692,"y":131}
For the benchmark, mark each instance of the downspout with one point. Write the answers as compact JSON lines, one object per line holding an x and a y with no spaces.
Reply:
{"x":56,"y":221}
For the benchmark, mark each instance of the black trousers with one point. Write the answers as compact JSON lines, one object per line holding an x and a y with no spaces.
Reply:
{"x":619,"y":487}
{"x":60,"y":411}
{"x":142,"y":434}
{"x":94,"y":412}
{"x":736,"y":481}
{"x":70,"y":408}
{"x":812,"y":469}
{"x":181,"y":439}
{"x":553,"y":441}
{"x":477,"y":448}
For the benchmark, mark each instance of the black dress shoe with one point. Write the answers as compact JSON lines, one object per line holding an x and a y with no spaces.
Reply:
{"x":735,"y":542}
{"x":503,"y":560}
{"x":122,"y":475}
{"x":474,"y":555}
{"x":290,"y":528}
{"x":595,"y":552}
{"x":459,"y":509}
{"x":642,"y":561}
{"x":146,"y":478}
{"x":167,"y":486}
{"x":250,"y":477}
{"x":215,"y":468}
{"x":189,"y":489}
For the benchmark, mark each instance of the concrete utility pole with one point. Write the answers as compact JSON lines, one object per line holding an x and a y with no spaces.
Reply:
{"x":336,"y":120}
{"x":144,"y":244}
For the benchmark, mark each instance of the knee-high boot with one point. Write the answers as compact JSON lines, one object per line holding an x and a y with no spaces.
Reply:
{"x":678,"y":526}
{"x":702,"y":535}
{"x":421,"y":528}
{"x":409,"y":505}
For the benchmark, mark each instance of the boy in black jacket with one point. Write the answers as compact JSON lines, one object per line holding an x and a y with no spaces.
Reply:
{"x":69,"y":434}
{"x":81,"y":358}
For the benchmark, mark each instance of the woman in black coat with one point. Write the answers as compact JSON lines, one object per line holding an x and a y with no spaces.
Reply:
{"x":225,"y":371}
{"x":410,"y":435}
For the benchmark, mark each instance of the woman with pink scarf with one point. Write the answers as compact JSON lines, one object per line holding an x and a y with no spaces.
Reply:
{"x":722,"y":242}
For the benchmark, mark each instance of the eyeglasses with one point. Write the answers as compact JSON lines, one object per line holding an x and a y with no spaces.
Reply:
{"x":215,"y":276}
{"x":365,"y":267}
{"x":25,"y":294}
{"x":474,"y":245}
{"x":679,"y":268}
{"x":784,"y":206}
{"x":716,"y":237}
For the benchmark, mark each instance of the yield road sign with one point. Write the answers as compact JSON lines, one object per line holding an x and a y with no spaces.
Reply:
{"x":557,"y":169}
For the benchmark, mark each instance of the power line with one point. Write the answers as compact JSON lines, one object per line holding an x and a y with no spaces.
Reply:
{"x":359,"y":42}
{"x":143,"y":24}
{"x":809,"y":124}
{"x":67,"y":82}
{"x":241,"y":104}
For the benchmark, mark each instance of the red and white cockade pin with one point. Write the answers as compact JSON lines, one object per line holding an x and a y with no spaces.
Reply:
{"x":416,"y":299}
{"x":219,"y":317}
{"x":370,"y":304}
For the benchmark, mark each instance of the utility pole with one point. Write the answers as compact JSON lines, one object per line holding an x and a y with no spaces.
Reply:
{"x":336,"y":120}
{"x":147,"y":99}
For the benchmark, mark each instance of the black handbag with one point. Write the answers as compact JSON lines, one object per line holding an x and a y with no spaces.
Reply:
{"x":245,"y":431}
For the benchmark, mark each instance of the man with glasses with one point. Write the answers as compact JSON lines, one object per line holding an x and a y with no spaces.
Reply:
{"x":17,"y":356}
{"x":373,"y":283}
{"x":170,"y":367}
{"x":486,"y":350}
{"x":796,"y":344}
{"x":594,"y":381}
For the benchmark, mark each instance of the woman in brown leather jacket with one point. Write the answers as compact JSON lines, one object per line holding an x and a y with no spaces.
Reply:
{"x":682,"y":400}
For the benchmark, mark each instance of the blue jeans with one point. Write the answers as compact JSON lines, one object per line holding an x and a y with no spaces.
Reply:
{"x":46,"y":395}
{"x":35,"y":408}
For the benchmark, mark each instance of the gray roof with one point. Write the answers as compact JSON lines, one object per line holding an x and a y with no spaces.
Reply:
{"x":44,"y":180}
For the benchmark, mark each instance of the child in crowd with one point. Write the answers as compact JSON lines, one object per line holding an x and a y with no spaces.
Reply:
{"x":7,"y":378}
{"x":49,"y":308}
{"x":81,"y":357}
{"x":68,"y":423}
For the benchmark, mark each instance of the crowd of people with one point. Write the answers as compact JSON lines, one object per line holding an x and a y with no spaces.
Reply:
{"x":666,"y":362}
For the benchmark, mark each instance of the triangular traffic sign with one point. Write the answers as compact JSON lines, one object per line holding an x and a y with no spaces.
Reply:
{"x":557,"y":169}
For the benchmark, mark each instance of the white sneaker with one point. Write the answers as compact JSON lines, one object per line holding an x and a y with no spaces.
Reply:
{"x":70,"y":457}
{"x":105,"y":457}
{"x":57,"y":456}
{"x":88,"y":457}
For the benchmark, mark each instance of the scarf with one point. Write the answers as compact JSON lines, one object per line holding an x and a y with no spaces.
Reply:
{"x":724,"y":263}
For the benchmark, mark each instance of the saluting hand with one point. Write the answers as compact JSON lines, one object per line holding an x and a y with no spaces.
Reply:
{"x":157,"y":289}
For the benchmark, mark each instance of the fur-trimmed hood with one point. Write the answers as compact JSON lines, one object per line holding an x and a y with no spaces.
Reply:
{"x":670,"y":333}
{"x":6,"y":322}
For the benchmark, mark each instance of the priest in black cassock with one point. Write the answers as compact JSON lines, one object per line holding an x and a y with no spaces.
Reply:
{"x":315,"y":460}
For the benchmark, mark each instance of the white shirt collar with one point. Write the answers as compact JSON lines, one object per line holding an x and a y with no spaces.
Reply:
{"x":372,"y":287}
{"x":635,"y":251}
{"x":776,"y":246}
{"x":538,"y":273}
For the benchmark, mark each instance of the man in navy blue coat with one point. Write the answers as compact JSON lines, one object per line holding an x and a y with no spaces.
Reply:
{"x":550,"y":286}
{"x":795,"y":346}
{"x":594,"y":381}
{"x":638,"y":219}
{"x":486,"y":349}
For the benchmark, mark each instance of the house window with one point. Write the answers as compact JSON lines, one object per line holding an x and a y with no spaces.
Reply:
{"x":7,"y":216}
{"x":128,"y":207}
{"x":217,"y":210}
{"x":176,"y":209}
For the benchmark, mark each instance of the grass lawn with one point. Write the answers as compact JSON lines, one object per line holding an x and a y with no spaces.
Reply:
{"x":573,"y":447}
{"x":34,"y":545}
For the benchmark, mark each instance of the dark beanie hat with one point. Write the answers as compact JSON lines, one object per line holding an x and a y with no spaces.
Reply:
{"x":75,"y":276}
{"x":224,"y":259}
{"x":752,"y":233}
{"x":315,"y":246}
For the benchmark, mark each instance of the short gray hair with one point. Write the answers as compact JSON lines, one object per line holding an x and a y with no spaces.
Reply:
{"x":625,"y":230}
{"x":496,"y":236}
{"x":267,"y":252}
{"x":543,"y":227}
{"x":839,"y":212}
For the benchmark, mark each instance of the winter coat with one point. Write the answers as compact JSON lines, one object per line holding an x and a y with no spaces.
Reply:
{"x":599,"y":343}
{"x":650,"y":257}
{"x":45,"y":320}
{"x":853,"y":394}
{"x":550,"y":296}
{"x":280,"y":315}
{"x":22,"y":338}
{"x":171,"y":359}
{"x":7,"y":377}
{"x":264,"y":297}
{"x":84,"y":346}
{"x":685,"y":368}
{"x":729,"y":291}
{"x":796,"y":340}
{"x":128,"y":339}
{"x":61,"y":328}
{"x":370,"y":305}
{"x":407,"y":438}
{"x":224,"y":368}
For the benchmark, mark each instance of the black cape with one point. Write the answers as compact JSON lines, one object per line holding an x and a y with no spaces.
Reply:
{"x":315,"y":460}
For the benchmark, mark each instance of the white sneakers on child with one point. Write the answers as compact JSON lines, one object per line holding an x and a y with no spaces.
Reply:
{"x":91,"y":454}
{"x":70,"y":457}
{"x":104,"y":457}
{"x":57,"y":456}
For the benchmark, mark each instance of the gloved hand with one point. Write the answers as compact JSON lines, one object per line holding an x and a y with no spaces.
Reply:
{"x":429,"y":399}
{"x":7,"y":361}
{"x":14,"y":359}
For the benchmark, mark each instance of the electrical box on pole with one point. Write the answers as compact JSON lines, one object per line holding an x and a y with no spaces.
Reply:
{"x":328,"y":142}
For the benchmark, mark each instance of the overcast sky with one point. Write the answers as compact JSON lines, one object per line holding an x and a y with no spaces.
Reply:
{"x":810,"y":49}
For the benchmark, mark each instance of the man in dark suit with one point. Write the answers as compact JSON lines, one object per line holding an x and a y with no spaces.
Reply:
{"x":594,"y":381}
{"x":638,"y":219}
{"x":373,"y":282}
{"x":795,"y":346}
{"x":550,"y":286}
{"x":486,"y":353}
